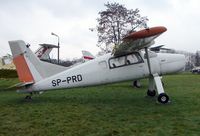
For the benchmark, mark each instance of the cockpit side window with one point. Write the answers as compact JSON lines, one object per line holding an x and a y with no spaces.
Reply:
{"x":117,"y":62}
{"x":125,"y":60}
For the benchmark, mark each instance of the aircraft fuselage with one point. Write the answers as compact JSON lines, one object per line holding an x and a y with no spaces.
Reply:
{"x":109,"y":69}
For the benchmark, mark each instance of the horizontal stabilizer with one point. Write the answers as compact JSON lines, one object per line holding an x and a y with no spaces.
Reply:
{"x":20,"y":85}
{"x":24,"y":84}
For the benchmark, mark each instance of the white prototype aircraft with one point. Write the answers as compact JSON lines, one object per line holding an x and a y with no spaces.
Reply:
{"x":128,"y":61}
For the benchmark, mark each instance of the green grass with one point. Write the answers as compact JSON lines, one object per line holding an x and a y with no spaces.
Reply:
{"x":107,"y":110}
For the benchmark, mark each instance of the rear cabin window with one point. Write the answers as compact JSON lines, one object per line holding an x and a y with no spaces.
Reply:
{"x":125,"y":60}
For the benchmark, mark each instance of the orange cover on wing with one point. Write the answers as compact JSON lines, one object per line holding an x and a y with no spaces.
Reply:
{"x":146,"y":33}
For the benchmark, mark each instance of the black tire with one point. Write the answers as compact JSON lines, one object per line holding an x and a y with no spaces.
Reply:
{"x":136,"y":84}
{"x":28,"y":97}
{"x":163,"y":98}
{"x":151,"y":93}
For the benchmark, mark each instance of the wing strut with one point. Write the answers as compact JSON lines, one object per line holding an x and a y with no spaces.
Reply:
{"x":148,"y":61}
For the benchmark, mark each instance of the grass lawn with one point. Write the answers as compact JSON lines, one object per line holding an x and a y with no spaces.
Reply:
{"x":107,"y":110}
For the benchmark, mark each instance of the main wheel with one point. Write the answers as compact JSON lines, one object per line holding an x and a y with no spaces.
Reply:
{"x":151,"y":93}
{"x":136,"y":84}
{"x":163,"y":98}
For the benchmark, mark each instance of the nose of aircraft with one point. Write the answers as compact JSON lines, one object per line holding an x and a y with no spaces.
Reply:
{"x":171,"y":63}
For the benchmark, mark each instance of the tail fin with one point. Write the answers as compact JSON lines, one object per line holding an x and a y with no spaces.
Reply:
{"x":87,"y":56}
{"x":24,"y":61}
{"x":29,"y":67}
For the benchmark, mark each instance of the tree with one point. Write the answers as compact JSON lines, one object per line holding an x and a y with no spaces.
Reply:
{"x":115,"y":22}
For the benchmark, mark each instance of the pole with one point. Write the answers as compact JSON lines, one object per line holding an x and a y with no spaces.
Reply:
{"x":58,"y":46}
{"x":58,"y":50}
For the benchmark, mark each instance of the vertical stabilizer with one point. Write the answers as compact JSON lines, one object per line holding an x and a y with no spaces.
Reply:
{"x":24,"y":60}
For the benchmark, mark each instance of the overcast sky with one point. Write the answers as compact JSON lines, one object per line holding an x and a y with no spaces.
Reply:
{"x":34,"y":20}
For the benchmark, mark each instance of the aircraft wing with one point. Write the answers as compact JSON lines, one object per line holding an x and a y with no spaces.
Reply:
{"x":158,"y":48}
{"x":138,"y":40}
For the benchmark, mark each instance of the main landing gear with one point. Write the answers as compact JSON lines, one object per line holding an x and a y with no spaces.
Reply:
{"x":136,"y":84}
{"x":155,"y":81}
{"x":162,"y":98}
